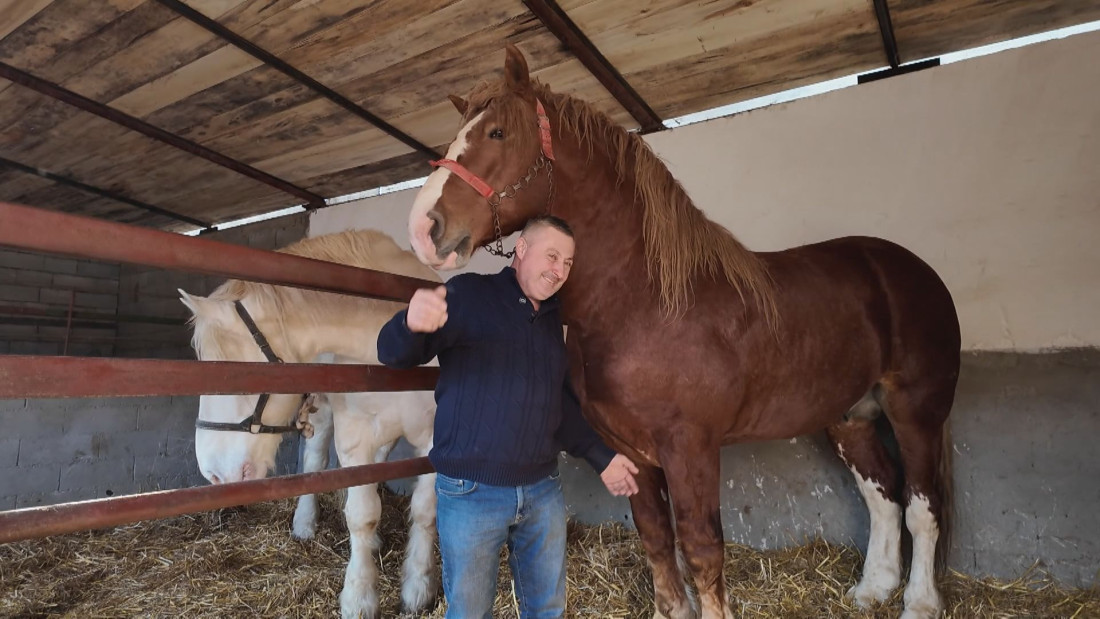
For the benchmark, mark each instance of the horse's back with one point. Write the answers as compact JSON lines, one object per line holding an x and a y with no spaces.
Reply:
{"x":878,"y":283}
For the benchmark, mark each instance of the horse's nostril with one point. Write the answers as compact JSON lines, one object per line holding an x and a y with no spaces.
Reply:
{"x":437,"y":226}
{"x":214,"y":479}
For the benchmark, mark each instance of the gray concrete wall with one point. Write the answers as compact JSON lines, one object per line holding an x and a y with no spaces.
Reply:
{"x":1027,"y":477}
{"x":44,"y":282}
{"x":60,"y":450}
{"x":153,"y":292}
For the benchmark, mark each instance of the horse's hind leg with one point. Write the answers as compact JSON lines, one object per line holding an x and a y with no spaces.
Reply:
{"x":876,"y":476}
{"x":919,"y":416}
{"x":314,"y":458}
{"x":652,"y":517}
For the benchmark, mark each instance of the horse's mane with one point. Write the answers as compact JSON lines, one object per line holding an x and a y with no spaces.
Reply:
{"x":368,"y":249}
{"x":680,"y":242}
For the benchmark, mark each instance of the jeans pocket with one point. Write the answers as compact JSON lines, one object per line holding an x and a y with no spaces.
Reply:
{"x":450,"y":486}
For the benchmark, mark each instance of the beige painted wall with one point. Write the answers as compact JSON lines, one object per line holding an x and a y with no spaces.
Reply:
{"x":989,"y":169}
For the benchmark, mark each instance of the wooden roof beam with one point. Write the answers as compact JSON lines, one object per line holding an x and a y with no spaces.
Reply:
{"x":285,"y":68}
{"x":81,"y":102}
{"x":558,"y":22}
{"x":103,"y":193}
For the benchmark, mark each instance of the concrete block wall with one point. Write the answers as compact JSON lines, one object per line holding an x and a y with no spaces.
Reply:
{"x":153,"y":292}
{"x":1026,"y":478}
{"x":61,"y":450}
{"x":45,"y":282}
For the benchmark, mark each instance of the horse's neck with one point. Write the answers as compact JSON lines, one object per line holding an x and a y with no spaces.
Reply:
{"x":330,"y":324}
{"x":608,"y":229}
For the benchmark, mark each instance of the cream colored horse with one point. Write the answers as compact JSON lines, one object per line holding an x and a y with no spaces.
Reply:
{"x":307,"y":326}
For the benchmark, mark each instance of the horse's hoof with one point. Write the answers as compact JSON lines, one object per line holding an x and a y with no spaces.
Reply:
{"x":304,"y":528}
{"x":418,"y":594}
{"x":929,"y":607}
{"x":909,"y":613}
{"x":352,"y":607}
{"x":868,"y":593}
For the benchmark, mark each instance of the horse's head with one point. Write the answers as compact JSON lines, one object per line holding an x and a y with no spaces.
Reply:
{"x":221,"y":335}
{"x":496,"y":174}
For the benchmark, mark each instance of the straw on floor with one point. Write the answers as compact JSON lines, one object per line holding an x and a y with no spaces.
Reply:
{"x":243,"y":563}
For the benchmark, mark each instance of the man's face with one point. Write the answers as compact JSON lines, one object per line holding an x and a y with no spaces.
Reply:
{"x":543,"y":260}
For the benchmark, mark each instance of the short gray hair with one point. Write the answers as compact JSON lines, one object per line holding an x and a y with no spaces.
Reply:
{"x":552,"y":221}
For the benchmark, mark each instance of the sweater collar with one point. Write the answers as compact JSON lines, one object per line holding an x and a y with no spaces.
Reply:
{"x":508,"y":274}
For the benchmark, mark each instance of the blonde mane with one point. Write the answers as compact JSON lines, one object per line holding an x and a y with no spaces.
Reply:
{"x":680,"y":242}
{"x":368,"y":249}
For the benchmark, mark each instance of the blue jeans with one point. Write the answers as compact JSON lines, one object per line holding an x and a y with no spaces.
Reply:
{"x":475,"y":520}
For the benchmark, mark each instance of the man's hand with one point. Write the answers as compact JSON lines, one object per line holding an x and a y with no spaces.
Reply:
{"x":427,"y":310}
{"x":618,"y":477}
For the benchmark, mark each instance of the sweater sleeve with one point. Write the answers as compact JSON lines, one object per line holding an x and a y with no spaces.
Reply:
{"x":576,"y":436}
{"x":399,"y":347}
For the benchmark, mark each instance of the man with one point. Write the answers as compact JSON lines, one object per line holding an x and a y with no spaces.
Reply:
{"x":505,"y":410}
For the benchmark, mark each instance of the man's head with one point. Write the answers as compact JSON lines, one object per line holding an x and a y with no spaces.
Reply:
{"x":544,"y":257}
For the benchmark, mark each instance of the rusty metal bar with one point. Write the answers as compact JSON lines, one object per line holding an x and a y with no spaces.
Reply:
{"x":107,"y":112}
{"x":558,"y":22}
{"x":886,"y":29}
{"x":38,"y":522}
{"x":293,"y":73}
{"x":69,"y":322}
{"x":35,"y":229}
{"x":31,"y":376}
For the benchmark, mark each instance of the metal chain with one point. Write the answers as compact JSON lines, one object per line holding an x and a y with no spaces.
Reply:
{"x":510,"y":192}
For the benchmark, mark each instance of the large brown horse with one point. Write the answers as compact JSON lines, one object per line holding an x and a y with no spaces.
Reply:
{"x":683,"y":340}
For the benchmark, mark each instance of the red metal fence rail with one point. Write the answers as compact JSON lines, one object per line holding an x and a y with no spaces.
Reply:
{"x":36,"y":522}
{"x":32,"y":229}
{"x":91,"y":377}
{"x":39,"y":230}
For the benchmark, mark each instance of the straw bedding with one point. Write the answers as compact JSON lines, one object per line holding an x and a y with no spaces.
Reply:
{"x":243,"y":563}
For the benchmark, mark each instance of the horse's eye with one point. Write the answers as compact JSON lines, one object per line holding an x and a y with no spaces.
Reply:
{"x":496,"y":134}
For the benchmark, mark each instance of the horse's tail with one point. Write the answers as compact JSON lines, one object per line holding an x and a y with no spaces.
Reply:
{"x":946,"y":484}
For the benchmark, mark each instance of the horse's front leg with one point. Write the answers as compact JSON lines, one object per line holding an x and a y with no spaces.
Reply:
{"x":652,"y":517}
{"x":691,"y":461}
{"x":363,"y":508}
{"x":314,"y":458}
{"x":420,"y":582}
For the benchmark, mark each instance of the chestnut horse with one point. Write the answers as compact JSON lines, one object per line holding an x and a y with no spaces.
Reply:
{"x":682,"y":340}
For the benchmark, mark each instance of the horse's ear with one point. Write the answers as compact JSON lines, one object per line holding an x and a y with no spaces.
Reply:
{"x":460,"y":104}
{"x":515,"y":69}
{"x":190,"y":301}
{"x":202,"y":307}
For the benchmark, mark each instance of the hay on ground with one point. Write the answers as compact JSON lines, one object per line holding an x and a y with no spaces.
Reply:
{"x":243,"y":563}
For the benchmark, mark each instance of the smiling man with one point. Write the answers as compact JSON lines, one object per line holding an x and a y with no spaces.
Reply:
{"x":505,"y":411}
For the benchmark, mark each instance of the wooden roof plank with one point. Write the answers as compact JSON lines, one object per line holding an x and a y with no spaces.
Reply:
{"x":281,"y":65}
{"x":99,"y":192}
{"x":927,"y":29}
{"x":43,"y":44}
{"x":18,"y":13}
{"x":134,"y":124}
{"x":210,"y":70}
{"x":558,"y":22}
{"x":706,"y":54}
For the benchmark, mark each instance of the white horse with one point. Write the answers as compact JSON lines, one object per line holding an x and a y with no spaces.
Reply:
{"x":305,"y":326}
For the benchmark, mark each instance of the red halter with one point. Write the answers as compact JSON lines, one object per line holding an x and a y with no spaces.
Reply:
{"x":494,"y":197}
{"x":476,"y":181}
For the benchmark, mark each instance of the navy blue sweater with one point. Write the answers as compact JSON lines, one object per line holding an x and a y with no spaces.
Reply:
{"x":505,"y":404}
